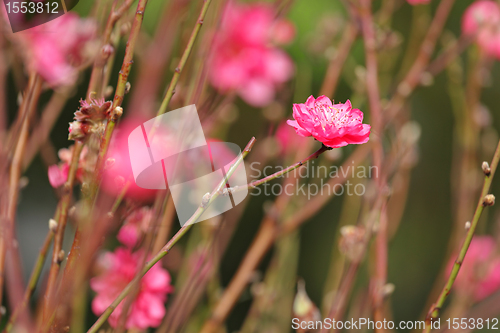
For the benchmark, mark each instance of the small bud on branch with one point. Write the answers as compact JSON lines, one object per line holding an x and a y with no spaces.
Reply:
{"x":53,"y":225}
{"x":486,"y":168}
{"x":489,"y":200}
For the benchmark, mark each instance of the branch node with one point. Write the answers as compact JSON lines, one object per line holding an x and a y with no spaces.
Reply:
{"x":206,"y":199}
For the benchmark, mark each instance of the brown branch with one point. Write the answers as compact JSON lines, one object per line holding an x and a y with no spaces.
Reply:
{"x":42,"y":131}
{"x":334,"y":69}
{"x":7,"y":240}
{"x":102,"y":57}
{"x":412,"y":78}
{"x":339,"y":302}
{"x":263,"y":241}
{"x":372,"y":85}
{"x":58,"y":254}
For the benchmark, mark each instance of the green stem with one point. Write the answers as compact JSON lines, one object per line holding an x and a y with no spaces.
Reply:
{"x":164,"y":251}
{"x":184,"y":58}
{"x":120,"y":197}
{"x":436,"y":307}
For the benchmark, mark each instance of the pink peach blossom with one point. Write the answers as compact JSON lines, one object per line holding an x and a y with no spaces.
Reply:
{"x":244,"y":58}
{"x":335,"y":125}
{"x":56,"y":48}
{"x":479,"y":275}
{"x":135,"y":225}
{"x":481,"y":20}
{"x":148,"y":308}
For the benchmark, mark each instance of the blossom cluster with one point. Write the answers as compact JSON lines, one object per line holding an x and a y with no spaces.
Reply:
{"x":120,"y":267}
{"x":245,"y":58}
{"x":481,"y":21}
{"x":89,"y":118}
{"x":57,"y":49}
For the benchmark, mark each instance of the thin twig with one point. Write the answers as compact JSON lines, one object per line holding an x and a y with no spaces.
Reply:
{"x":267,"y":234}
{"x":35,"y":275}
{"x":164,"y":251}
{"x":118,"y":99}
{"x":316,"y":203}
{"x":61,"y":224}
{"x":449,"y":55}
{"x":278,"y":174}
{"x":412,"y":79}
{"x":102,"y":57}
{"x":373,"y":90}
{"x":143,"y":100}
{"x":42,"y":131}
{"x":488,"y":178}
{"x":27,"y":110}
{"x":184,"y":58}
{"x":339,"y":302}
{"x":334,"y":68}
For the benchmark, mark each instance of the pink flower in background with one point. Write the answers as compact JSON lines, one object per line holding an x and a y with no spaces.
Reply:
{"x":481,"y":20}
{"x":58,"y":174}
{"x":480,"y":272}
{"x":148,"y":309}
{"x":244,"y":58}
{"x":288,"y":139}
{"x":56,"y":48}
{"x":418,"y":2}
{"x":135,"y":226}
{"x":120,"y":172}
{"x":335,"y":125}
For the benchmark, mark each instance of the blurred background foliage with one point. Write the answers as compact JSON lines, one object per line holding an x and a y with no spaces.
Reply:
{"x":419,"y":248}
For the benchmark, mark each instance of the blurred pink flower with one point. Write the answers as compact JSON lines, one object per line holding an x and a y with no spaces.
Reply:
{"x":135,"y":225}
{"x":56,"y":48}
{"x":418,"y":2}
{"x":244,"y":58}
{"x":480,"y":272}
{"x":148,"y":309}
{"x":335,"y":125}
{"x":481,"y":20}
{"x":120,"y":172}
{"x":283,"y":32}
{"x":58,"y":174}
{"x":288,"y":139}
